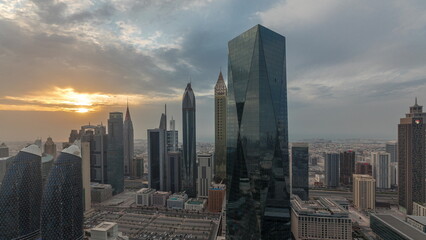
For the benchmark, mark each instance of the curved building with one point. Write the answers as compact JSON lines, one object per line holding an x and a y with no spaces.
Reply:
{"x":62,"y":205}
{"x":20,"y":196}
{"x":189,"y":166}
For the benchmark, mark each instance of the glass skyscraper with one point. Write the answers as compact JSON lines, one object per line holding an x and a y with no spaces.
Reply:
{"x":300,"y":170}
{"x":20,"y":196}
{"x":115,"y":152}
{"x":62,"y":205}
{"x":258,"y":199}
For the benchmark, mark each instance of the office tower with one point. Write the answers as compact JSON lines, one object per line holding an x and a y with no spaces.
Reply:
{"x":381,"y":169}
{"x":320,"y":219}
{"x":392,"y":149}
{"x":62,"y":205}
{"x":300,"y":170}
{"x":73,"y":136}
{"x":128,"y":142}
{"x":97,"y":137}
{"x":216,"y":197}
{"x":364,"y":192}
{"x":4,"y":150}
{"x":189,"y":166}
{"x":50,"y":147}
{"x":411,"y":158}
{"x":85,"y":173}
{"x":205,"y":171}
{"x":363,"y":168}
{"x":156,"y":158}
{"x":394,"y":174}
{"x":347,"y":167}
{"x":173,"y":171}
{"x":220,"y":94}
{"x":137,"y":167}
{"x":331,"y":166}
{"x":115,"y":153}
{"x":172,"y":138}
{"x":258,"y":204}
{"x":20,"y":196}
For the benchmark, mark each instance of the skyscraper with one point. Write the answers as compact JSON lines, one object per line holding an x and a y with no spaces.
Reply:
{"x":258,"y":201}
{"x":128,"y":142}
{"x":189,"y":166}
{"x":364,"y":192}
{"x":381,"y":169}
{"x":220,"y":94}
{"x":300,"y":170}
{"x":156,"y":158}
{"x":20,"y":196}
{"x":205,"y":164}
{"x":62,"y":205}
{"x":115,"y":154}
{"x":347,"y":167}
{"x":332,"y":167}
{"x":392,"y":149}
{"x":172,"y":137}
{"x":411,"y":158}
{"x":173,"y":160}
{"x":363,"y":168}
{"x":50,"y":147}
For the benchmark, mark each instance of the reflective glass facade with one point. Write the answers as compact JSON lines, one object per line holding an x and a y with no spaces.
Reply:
{"x":115,"y":153}
{"x":258,"y":199}
{"x":20,"y":198}
{"x":300,"y":170}
{"x":62,"y":205}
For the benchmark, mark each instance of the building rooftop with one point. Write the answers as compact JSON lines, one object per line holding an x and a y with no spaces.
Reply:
{"x":401,"y":226}
{"x":145,"y":190}
{"x":318,"y":207}
{"x":104,"y":226}
{"x":196,"y":201}
{"x":419,"y":219}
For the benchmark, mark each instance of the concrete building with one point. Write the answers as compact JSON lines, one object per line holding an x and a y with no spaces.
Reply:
{"x":159,"y":199}
{"x":412,"y":158}
{"x":106,"y":231}
{"x":177,"y":200}
{"x":100,"y":192}
{"x":85,"y":174}
{"x":389,"y":227}
{"x":364,"y":192}
{"x":319,"y":219}
{"x":4,"y":150}
{"x":144,"y":197}
{"x":363,"y":168}
{"x":50,"y":147}
{"x":381,"y":169}
{"x":216,"y":197}
{"x":300,"y":170}
{"x":195,"y":204}
{"x":172,"y":137}
{"x":418,"y":222}
{"x":347,"y":167}
{"x":419,"y":209}
{"x":220,"y":98}
{"x":394,"y":174}
{"x":128,"y":143}
{"x":205,"y":172}
{"x":115,"y":154}
{"x":332,"y":170}
{"x":392,"y":148}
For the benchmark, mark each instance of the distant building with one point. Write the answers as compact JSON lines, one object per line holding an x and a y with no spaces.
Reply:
{"x":216,"y":197}
{"x":347,"y":167}
{"x":364,"y":192}
{"x":177,"y":200}
{"x":319,"y":219}
{"x":381,"y":169}
{"x":62,"y":205}
{"x":300,"y":170}
{"x":159,"y":199}
{"x":332,"y":167}
{"x":394,"y":174}
{"x":50,"y":147}
{"x":195,"y":204}
{"x":412,"y":158}
{"x":419,"y":209}
{"x":220,"y":98}
{"x":363,"y":168}
{"x":20,"y":196}
{"x":137,"y":167}
{"x":4,"y":165}
{"x":74,"y":135}
{"x":389,"y":227}
{"x":418,"y":222}
{"x":100,"y":192}
{"x":115,"y":154}
{"x":392,"y":149}
{"x":205,"y":162}
{"x":128,"y":143}
{"x":173,"y":171}
{"x":4,"y":150}
{"x":144,"y":197}
{"x":172,"y":138}
{"x":156,"y":158}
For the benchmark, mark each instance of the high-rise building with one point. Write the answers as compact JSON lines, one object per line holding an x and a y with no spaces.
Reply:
{"x":205,"y":174}
{"x":220,"y":95}
{"x":115,"y":152}
{"x":300,"y":170}
{"x":216,"y":197}
{"x":411,"y":158}
{"x":73,"y":136}
{"x":189,"y":166}
{"x":258,"y":173}
{"x":97,"y":138}
{"x":381,"y":169}
{"x":156,"y":159}
{"x":20,"y":196}
{"x":364,"y":192}
{"x":62,"y":205}
{"x":173,"y":171}
{"x":394,"y":174}
{"x":85,"y":174}
{"x":137,"y":167}
{"x":172,"y":138}
{"x":128,"y":142}
{"x":4,"y":150}
{"x":332,"y":168}
{"x":347,"y":167}
{"x":363,"y":168}
{"x":392,"y":149}
{"x":50,"y":147}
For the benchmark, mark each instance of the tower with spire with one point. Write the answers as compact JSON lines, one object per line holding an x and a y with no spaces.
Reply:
{"x":220,"y":94}
{"x":128,"y":142}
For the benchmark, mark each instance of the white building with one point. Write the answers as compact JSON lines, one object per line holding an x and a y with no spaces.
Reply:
{"x":106,"y":231}
{"x":205,"y":174}
{"x":381,"y":163}
{"x":195,"y":204}
{"x":144,"y":197}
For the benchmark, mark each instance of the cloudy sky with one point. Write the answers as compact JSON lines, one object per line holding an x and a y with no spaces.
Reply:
{"x":353,"y":66}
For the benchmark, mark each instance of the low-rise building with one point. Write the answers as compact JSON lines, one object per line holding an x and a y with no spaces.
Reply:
{"x":106,"y":231}
{"x":159,"y":198}
{"x":100,"y":192}
{"x":389,"y":227}
{"x":418,"y":222}
{"x":321,"y":218}
{"x":195,"y":204}
{"x":144,"y":197}
{"x":216,"y":197}
{"x":419,"y":209}
{"x":177,"y":200}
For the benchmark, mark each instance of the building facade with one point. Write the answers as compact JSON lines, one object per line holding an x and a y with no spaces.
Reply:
{"x":115,"y":153}
{"x":20,"y":196}
{"x":258,"y":169}
{"x":156,"y":158}
{"x":220,"y":95}
{"x":144,"y":197}
{"x":392,"y":148}
{"x":216,"y":197}
{"x":381,"y":162}
{"x":4,"y":150}
{"x":62,"y":205}
{"x":177,"y":200}
{"x":332,"y":169}
{"x":159,"y":198}
{"x":128,"y":143}
{"x":390,"y":227}
{"x":347,"y":167}
{"x":364,"y":168}
{"x":173,"y":171}
{"x":50,"y":147}
{"x":300,"y":170}
{"x":364,"y":192}
{"x":411,"y":158}
{"x":205,"y":172}
{"x":419,"y":209}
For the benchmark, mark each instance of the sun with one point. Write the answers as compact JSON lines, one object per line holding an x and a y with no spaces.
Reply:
{"x":82,"y":110}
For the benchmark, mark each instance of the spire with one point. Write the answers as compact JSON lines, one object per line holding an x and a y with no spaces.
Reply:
{"x":220,"y":88}
{"x":128,"y":118}
{"x":188,"y":101}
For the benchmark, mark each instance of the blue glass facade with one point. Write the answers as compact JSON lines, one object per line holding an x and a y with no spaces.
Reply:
{"x":20,"y":196}
{"x":258,"y":204}
{"x":115,"y":154}
{"x":300,"y":170}
{"x":62,"y":205}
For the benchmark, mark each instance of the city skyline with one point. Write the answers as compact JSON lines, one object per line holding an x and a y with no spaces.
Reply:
{"x":88,"y":58}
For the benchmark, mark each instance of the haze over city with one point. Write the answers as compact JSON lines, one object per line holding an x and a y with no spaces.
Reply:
{"x":352,"y":68}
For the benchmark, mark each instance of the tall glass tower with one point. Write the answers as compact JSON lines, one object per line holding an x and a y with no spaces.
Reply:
{"x":128,"y":143}
{"x":62,"y":205}
{"x":115,"y":152}
{"x":20,"y":196}
{"x":258,"y":199}
{"x":189,"y":166}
